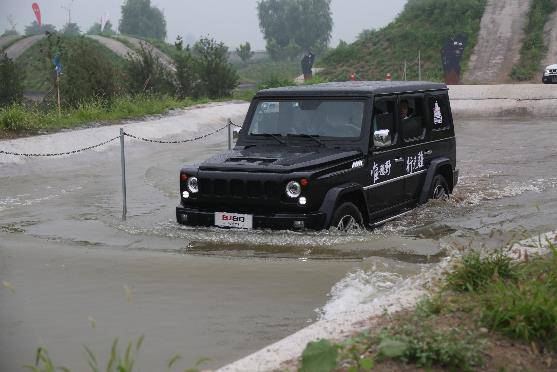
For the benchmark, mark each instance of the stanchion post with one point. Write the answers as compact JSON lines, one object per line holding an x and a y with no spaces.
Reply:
{"x":123,"y":161}
{"x":229,"y":134}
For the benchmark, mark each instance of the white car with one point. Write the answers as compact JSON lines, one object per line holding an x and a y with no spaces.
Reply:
{"x":550,"y":74}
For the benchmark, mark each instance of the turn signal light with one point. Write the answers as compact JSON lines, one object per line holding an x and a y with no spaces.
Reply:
{"x":304,"y":182}
{"x":183,"y":177}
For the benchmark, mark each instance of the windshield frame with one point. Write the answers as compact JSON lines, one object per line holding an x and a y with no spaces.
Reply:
{"x":246,"y":139}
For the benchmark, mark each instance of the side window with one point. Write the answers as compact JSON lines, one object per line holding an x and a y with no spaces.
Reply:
{"x":412,"y":118}
{"x":384,"y":122}
{"x":439,"y":113}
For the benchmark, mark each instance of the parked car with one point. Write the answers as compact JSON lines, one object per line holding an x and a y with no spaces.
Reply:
{"x":340,"y":155}
{"x":550,"y":75}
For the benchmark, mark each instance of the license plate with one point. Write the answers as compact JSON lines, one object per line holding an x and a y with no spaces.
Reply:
{"x":234,"y":220}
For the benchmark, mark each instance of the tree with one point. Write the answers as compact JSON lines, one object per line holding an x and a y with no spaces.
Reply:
{"x":186,"y":77}
{"x":107,"y":29}
{"x":87,"y":74}
{"x":141,"y":19}
{"x":11,"y":82}
{"x":293,"y":26}
{"x":71,"y":29}
{"x":217,"y":78}
{"x":11,"y":32}
{"x":244,"y":52}
{"x":34,"y":29}
{"x":95,"y":29}
{"x":146,"y":73}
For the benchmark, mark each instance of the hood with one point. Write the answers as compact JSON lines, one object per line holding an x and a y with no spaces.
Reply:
{"x":276,"y":160}
{"x":551,"y":67}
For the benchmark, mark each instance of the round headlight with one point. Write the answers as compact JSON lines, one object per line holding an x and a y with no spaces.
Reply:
{"x":293,"y":189}
{"x":193,"y":185}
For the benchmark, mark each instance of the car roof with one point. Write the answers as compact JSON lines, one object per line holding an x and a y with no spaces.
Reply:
{"x":353,"y":88}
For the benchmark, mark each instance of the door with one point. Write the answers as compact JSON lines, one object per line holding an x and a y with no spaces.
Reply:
{"x":415,"y":141}
{"x":386,"y":159}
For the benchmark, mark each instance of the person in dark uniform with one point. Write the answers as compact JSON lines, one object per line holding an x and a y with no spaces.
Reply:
{"x":307,"y":65}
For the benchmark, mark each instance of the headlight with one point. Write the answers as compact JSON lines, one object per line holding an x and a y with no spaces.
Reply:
{"x":546,"y":72}
{"x":293,"y":189}
{"x":193,"y":185}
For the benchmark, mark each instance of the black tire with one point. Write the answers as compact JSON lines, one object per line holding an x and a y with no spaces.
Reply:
{"x":439,"y":188}
{"x":347,"y":217}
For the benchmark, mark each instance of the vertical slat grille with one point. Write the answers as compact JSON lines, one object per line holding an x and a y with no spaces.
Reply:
{"x":236,"y":188}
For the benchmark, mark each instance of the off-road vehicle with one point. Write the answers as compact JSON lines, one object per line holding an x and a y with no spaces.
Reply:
{"x":337,"y":155}
{"x":550,"y":75}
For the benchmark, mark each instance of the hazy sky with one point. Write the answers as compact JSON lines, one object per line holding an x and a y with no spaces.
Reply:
{"x":230,"y":21}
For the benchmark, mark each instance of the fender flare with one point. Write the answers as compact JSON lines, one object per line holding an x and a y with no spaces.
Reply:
{"x":431,"y":172}
{"x":333,"y":195}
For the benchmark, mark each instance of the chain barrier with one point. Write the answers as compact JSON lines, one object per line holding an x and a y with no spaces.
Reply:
{"x":115,"y":138}
{"x":60,"y":153}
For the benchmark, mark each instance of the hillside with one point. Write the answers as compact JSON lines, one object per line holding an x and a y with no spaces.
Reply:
{"x":423,"y":26}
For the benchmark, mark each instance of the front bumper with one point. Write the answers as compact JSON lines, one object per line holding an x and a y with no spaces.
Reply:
{"x":549,"y":79}
{"x":310,"y":221}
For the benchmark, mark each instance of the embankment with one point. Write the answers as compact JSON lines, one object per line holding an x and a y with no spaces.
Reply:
{"x":510,"y":100}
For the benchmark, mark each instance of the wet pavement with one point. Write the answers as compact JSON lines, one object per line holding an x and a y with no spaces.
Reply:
{"x":223,"y":294}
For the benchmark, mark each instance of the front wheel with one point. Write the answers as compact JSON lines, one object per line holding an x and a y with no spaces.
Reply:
{"x":439,"y":188}
{"x":347,"y":217}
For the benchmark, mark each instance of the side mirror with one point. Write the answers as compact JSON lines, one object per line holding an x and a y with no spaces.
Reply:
{"x":382,"y":138}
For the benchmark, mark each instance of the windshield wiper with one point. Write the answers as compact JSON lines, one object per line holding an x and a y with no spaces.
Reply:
{"x":314,"y":137}
{"x":273,"y":136}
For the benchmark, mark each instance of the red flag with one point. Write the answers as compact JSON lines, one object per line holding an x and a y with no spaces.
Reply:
{"x":37,"y":11}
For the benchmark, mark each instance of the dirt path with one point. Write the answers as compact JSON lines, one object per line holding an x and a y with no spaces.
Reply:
{"x":7,"y":40}
{"x":137,"y":43}
{"x":15,"y":50}
{"x":499,"y":43}
{"x":550,"y":35}
{"x":114,"y":45}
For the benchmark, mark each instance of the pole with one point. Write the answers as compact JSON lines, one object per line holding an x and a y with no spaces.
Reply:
{"x":419,"y":65}
{"x":405,"y":66}
{"x":58,"y":89}
{"x":123,"y":160}
{"x":229,"y":135}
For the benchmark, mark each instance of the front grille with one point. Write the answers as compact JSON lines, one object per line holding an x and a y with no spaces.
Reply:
{"x":239,"y":189}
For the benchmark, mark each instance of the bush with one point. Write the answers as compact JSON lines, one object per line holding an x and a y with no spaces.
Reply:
{"x":147,"y":74}
{"x":186,"y":77}
{"x":11,"y":82}
{"x":15,"y":118}
{"x":217,"y":78}
{"x":87,"y":74}
{"x":274,"y":82}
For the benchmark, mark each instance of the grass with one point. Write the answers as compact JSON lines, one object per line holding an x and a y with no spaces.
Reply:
{"x":533,"y":46}
{"x":20,"y":119}
{"x":262,"y":70}
{"x":489,"y":311}
{"x":423,"y":25}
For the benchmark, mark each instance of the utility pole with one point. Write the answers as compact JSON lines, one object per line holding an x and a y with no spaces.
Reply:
{"x":419,"y":65}
{"x":11,"y":21}
{"x":68,"y":8}
{"x":405,"y":67}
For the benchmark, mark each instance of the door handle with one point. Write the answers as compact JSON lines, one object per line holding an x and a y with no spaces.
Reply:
{"x":399,"y":160}
{"x":428,"y":152}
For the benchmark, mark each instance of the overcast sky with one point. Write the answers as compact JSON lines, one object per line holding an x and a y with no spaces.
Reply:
{"x":230,"y":21}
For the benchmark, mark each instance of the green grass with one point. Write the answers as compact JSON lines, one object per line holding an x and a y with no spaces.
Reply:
{"x":423,"y":25}
{"x":261,"y":70}
{"x":23,"y":119}
{"x":533,"y":46}
{"x":515,"y":300}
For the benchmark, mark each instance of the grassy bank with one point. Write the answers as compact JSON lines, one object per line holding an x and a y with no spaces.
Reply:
{"x":20,"y":120}
{"x":533,"y":47}
{"x":489,"y":314}
{"x":423,"y":25}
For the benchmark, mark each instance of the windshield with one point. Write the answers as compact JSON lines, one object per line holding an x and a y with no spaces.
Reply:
{"x":319,"y":118}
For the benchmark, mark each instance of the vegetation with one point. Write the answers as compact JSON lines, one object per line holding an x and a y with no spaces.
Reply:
{"x":71,"y":29}
{"x":35,"y":29}
{"x":146,"y":73}
{"x":11,"y":77}
{"x":244,"y":52}
{"x":489,"y":310}
{"x":423,"y":26}
{"x":293,"y":26}
{"x":258,"y":71}
{"x":141,"y":19}
{"x":533,"y":46}
{"x":98,"y":29}
{"x":10,"y":32}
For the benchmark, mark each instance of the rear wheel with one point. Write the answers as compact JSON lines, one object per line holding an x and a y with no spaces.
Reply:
{"x":439,"y":188}
{"x":347,"y":217}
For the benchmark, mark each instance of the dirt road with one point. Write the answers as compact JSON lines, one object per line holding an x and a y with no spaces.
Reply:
{"x":115,"y":46}
{"x":499,"y":42}
{"x":15,"y":50}
{"x":137,"y":43}
{"x":7,"y":40}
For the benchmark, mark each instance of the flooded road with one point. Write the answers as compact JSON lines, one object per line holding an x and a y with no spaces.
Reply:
{"x":223,"y":294}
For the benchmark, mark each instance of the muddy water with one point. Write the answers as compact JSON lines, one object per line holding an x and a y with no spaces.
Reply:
{"x":83,"y":277}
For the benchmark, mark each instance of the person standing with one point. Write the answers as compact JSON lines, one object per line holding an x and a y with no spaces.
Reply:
{"x":307,"y":65}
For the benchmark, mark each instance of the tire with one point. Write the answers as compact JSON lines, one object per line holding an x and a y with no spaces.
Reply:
{"x":439,"y":188}
{"x":347,"y":217}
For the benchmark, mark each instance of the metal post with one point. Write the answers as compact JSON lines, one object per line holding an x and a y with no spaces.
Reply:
{"x":123,"y":160}
{"x":405,"y":67}
{"x":229,"y":135}
{"x":58,"y":90}
{"x":419,"y":65}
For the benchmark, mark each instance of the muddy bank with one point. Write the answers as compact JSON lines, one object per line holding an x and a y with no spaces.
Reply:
{"x":506,"y":100}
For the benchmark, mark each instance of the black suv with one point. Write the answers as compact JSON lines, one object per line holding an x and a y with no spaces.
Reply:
{"x":338,"y":155}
